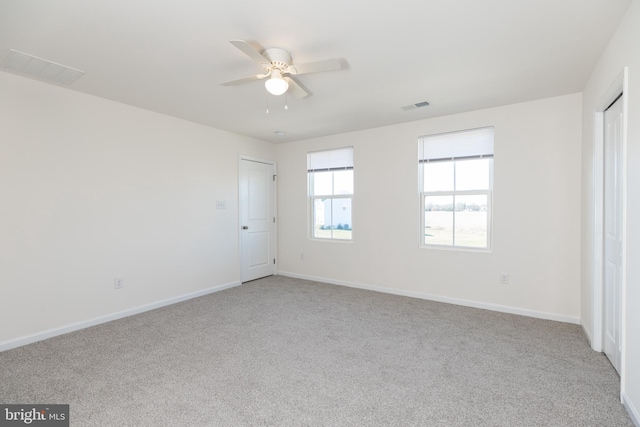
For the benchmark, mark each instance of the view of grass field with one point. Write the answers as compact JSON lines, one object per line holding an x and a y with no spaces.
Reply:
{"x":470,"y":228}
{"x":332,"y":234}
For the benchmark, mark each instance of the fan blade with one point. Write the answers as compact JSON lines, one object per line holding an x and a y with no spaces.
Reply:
{"x":250,"y":51}
{"x":296,"y":88}
{"x":240,"y":81}
{"x":319,"y":66}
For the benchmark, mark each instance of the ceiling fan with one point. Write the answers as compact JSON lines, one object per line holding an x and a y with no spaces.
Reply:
{"x":280,"y":69}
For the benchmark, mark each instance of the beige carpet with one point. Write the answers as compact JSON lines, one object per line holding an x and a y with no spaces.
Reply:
{"x":288,"y":352}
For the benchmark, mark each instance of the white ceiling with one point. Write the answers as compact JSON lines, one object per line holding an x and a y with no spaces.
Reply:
{"x":460,"y":55}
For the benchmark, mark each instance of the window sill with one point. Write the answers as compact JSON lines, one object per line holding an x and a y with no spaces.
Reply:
{"x":315,"y":239}
{"x":457,"y":249}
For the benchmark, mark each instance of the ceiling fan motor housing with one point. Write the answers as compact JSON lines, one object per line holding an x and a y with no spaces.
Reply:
{"x":279,"y":58}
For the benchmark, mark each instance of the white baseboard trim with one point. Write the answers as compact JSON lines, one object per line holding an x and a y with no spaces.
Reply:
{"x":448,"y":300}
{"x":588,"y":335}
{"x":19,"y":342}
{"x":631,"y":410}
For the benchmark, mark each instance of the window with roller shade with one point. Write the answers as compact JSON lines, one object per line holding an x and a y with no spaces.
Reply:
{"x":330,"y":177}
{"x":456,"y":180}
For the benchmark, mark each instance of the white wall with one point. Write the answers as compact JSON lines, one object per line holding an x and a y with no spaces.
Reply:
{"x":536,"y":213}
{"x":622,"y":51}
{"x":91,"y":190}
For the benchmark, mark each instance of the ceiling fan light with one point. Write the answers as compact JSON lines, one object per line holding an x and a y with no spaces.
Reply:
{"x":276,"y":85}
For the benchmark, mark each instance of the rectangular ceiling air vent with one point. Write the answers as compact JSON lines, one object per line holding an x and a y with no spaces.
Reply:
{"x":416,"y":105}
{"x":38,"y":68}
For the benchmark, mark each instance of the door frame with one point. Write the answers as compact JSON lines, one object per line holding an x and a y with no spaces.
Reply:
{"x":619,"y":86}
{"x":241,"y":158}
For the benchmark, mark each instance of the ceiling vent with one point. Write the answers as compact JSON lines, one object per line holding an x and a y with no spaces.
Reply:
{"x":38,"y":68}
{"x":414,"y":106}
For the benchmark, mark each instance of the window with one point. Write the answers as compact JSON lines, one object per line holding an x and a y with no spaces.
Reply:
{"x":330,"y":176}
{"x":456,"y":179}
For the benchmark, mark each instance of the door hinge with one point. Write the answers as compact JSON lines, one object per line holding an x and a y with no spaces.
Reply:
{"x":274,"y":177}
{"x":274,"y":260}
{"x":274,"y":219}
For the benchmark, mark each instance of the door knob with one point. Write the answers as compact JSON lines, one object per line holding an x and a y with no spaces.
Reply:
{"x":245,"y":227}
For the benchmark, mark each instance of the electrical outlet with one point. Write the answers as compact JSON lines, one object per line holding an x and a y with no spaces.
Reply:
{"x":118,"y":283}
{"x":504,"y":278}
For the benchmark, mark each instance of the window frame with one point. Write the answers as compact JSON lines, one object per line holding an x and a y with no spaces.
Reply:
{"x":312,"y":198}
{"x":453,"y":193}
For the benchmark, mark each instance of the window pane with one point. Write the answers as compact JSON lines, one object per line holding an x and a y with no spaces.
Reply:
{"x":438,"y":176}
{"x":472,"y":174}
{"x":322,"y":218}
{"x":322,"y":183}
{"x":438,"y":220}
{"x":471,"y":221}
{"x":341,"y":219}
{"x":332,"y":219}
{"x":343,"y":182}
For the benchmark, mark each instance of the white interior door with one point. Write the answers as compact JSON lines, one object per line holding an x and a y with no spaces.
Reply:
{"x":612,"y":256}
{"x":257,"y":219}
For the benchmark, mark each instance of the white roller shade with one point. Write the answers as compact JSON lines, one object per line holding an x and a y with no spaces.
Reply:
{"x":474,"y":143}
{"x":329,"y":160}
